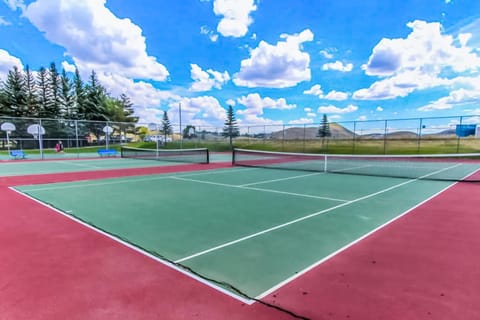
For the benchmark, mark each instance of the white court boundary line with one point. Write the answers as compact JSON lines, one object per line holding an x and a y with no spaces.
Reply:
{"x":145,"y":253}
{"x":77,"y":164}
{"x":316,"y":264}
{"x":258,"y":189}
{"x":282,"y":179}
{"x":253,"y":235}
{"x":120,"y":180}
{"x":227,"y":292}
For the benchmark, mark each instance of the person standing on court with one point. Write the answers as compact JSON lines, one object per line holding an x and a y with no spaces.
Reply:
{"x":59,"y":146}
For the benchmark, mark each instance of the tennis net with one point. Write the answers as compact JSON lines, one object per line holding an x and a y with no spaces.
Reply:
{"x":451,"y":167}
{"x":200,"y":155}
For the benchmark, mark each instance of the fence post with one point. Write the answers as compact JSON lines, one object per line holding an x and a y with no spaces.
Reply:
{"x":419,"y":135}
{"x":76,"y":138}
{"x":385,"y":138}
{"x":40,"y":139}
{"x":458,"y":136}
{"x":354,"y":136}
{"x":304,"y":135}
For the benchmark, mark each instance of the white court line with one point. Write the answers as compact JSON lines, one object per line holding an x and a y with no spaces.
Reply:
{"x":300,"y":273}
{"x":227,"y":244}
{"x":77,"y":164}
{"x":281,"y":179}
{"x":172,"y":266}
{"x":151,"y":256}
{"x":258,"y":189}
{"x":121,"y":180}
{"x":307,"y":269}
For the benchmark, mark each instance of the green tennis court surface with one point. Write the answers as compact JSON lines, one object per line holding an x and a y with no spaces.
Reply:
{"x":15,"y":168}
{"x":251,"y":228}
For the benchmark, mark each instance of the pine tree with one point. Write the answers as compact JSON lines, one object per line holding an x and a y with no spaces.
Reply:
{"x":15,"y":94}
{"x":67,"y":97}
{"x":166,"y":126}
{"x":230,"y":130}
{"x":79,"y":93}
{"x":53,"y":105}
{"x":324,"y":129}
{"x":4,"y":110}
{"x":94,"y":106}
{"x":43,"y":94}
{"x":127,"y":109}
{"x":30,"y":86}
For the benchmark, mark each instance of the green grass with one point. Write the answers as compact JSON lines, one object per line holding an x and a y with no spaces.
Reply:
{"x":334,"y":146}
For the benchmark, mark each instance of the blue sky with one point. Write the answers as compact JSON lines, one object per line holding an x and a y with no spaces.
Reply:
{"x":274,"y":61}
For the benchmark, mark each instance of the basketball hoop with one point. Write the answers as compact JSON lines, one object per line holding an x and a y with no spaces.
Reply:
{"x":8,"y":128}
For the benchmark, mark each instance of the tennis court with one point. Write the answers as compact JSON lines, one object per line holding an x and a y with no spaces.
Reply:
{"x":248,"y":231}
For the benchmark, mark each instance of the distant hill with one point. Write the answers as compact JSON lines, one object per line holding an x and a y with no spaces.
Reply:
{"x":299,"y":133}
{"x":340,"y":132}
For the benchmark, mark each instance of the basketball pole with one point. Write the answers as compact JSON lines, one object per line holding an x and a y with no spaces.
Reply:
{"x":8,"y":141}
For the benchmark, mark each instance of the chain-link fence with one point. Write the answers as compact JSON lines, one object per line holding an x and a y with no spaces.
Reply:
{"x":459,"y":134}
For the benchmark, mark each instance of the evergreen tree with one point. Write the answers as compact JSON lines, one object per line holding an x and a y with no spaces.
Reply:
{"x":94,"y":107}
{"x":79,"y":93}
{"x":54,"y":107}
{"x":15,"y":94}
{"x":166,"y":126}
{"x":230,"y":130}
{"x":67,"y":97}
{"x":324,"y":129}
{"x":95,"y":98}
{"x":43,"y":94}
{"x":30,"y":86}
{"x":127,"y":109}
{"x":4,"y":110}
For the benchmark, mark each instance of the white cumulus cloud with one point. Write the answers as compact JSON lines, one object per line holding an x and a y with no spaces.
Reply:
{"x":7,"y":62}
{"x":301,"y":121}
{"x":338,"y":66}
{"x":255,"y":104}
{"x":95,"y":38}
{"x":277,"y":66}
{"x":336,"y":110}
{"x":417,"y":62}
{"x":315,"y":90}
{"x":206,"y":80}
{"x":198,"y":111}
{"x":456,"y":97}
{"x":336,"y":95}
{"x":236,"y":16}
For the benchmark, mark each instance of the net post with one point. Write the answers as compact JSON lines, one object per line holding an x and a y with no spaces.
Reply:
{"x":325,"y":167}
{"x":208,"y":156}
{"x":233,"y":156}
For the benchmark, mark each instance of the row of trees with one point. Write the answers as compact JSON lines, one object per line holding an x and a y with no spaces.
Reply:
{"x":48,"y":93}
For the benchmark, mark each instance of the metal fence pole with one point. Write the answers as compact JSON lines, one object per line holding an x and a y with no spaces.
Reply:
{"x":76,"y":138}
{"x":304,"y":135}
{"x":419,"y":140}
{"x":354,"y":136}
{"x":458,"y":136}
{"x":385,"y":137}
